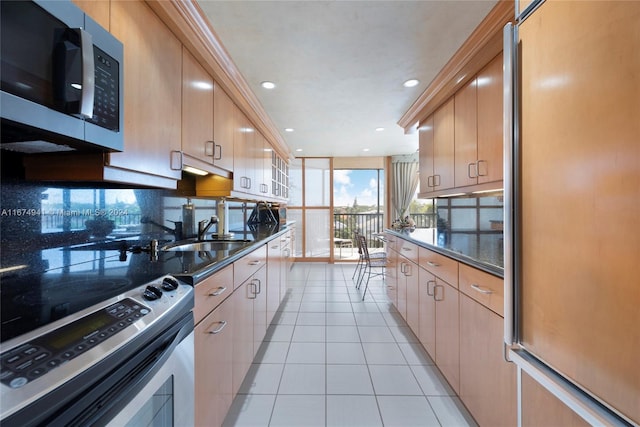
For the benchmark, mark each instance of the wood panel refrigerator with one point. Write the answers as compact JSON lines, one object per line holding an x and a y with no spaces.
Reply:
{"x":572,"y":220}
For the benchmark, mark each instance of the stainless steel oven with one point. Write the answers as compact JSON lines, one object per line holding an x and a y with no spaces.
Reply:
{"x":126,"y":361}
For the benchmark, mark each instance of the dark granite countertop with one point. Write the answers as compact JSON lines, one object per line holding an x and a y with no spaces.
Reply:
{"x":38,"y":287}
{"x":480,"y":250}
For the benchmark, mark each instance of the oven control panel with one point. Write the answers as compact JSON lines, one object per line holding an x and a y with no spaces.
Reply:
{"x":33,"y":359}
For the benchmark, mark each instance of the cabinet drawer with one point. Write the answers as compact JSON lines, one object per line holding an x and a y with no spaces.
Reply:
{"x":483,"y":287}
{"x":248,"y":265}
{"x":212,"y":291}
{"x":408,"y":250}
{"x":392,"y":242}
{"x":439,"y":265}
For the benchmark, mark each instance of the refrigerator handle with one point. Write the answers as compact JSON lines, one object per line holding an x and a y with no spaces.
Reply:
{"x":509,"y":33}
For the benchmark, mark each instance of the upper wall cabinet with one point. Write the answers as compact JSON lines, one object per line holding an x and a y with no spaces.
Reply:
{"x":490,"y":122}
{"x":197,"y":113}
{"x":152,"y":93}
{"x":99,"y":10}
{"x":479,"y":127}
{"x":437,"y":150}
{"x":223,"y":121}
{"x":461,"y":143}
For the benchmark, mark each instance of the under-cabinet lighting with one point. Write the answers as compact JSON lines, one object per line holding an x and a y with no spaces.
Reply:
{"x":195,"y":171}
{"x":13,"y":268}
{"x":487,"y":191}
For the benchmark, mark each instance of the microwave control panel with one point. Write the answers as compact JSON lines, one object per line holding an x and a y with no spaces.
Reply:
{"x":106,"y":111}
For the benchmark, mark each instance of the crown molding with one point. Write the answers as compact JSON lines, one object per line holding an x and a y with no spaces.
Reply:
{"x":189,"y":23}
{"x":481,"y":47}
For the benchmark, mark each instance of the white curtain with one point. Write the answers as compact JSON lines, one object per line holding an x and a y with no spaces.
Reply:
{"x":404,"y":172}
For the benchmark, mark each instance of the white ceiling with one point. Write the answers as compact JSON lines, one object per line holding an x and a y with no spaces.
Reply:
{"x":339,"y":66}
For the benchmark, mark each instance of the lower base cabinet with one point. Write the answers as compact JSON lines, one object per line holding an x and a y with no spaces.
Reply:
{"x":242,"y":341}
{"x":448,"y":332}
{"x":487,"y":380}
{"x":213,"y":365}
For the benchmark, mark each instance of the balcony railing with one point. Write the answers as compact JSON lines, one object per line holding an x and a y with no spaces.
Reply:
{"x":372,"y":223}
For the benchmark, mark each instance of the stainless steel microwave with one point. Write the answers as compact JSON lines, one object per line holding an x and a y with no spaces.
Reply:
{"x":61,"y":79}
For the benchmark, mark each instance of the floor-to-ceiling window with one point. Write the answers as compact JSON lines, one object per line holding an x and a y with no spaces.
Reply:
{"x":310,"y":206}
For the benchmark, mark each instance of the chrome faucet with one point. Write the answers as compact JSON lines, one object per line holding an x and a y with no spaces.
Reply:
{"x":204,"y":226}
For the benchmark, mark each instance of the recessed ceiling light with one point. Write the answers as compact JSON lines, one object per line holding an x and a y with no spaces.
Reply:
{"x":365,"y":149}
{"x":288,"y":130}
{"x":379,"y":129}
{"x":298,"y":149}
{"x":268,"y":85}
{"x":411,"y":83}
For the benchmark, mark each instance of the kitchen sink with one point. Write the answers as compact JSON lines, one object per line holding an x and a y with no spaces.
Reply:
{"x":206,"y":245}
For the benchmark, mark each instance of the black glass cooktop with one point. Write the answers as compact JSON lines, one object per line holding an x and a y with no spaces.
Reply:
{"x":43,"y":286}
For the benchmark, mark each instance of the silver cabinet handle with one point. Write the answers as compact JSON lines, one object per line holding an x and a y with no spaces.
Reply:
{"x":407,"y":271}
{"x":219,"y":329}
{"x":469,"y":174}
{"x":436,"y":182}
{"x":431,"y":292}
{"x":259,"y":287}
{"x":175,"y":160}
{"x":481,"y":289}
{"x":433,"y":264}
{"x":486,"y":169}
{"x":435,"y":292}
{"x":406,"y":249}
{"x":218,"y":291}
{"x":430,"y":181}
{"x":254,"y":262}
{"x":219,"y":157}
{"x":209,"y":148}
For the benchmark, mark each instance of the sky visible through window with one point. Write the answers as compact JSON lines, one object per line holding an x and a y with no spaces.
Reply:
{"x":361,"y":185}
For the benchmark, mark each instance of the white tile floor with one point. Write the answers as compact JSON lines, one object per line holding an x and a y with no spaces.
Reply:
{"x":331,"y":359}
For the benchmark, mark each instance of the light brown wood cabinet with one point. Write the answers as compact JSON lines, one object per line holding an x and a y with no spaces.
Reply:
{"x":489,"y":82}
{"x":466,"y":135}
{"x":152,"y":92}
{"x":441,"y":155}
{"x":425,"y":142}
{"x":98,"y":10}
{"x":223,"y":128}
{"x":242,"y":339}
{"x":487,"y":380}
{"x":259,"y":288}
{"x":461,"y":143}
{"x":448,"y":332}
{"x":197,"y":113}
{"x":210,"y":292}
{"x":274,"y":274}
{"x":214,"y":345}
{"x":479,"y":127}
{"x":427,"y":312}
{"x":392,"y":270}
{"x":244,"y":146}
